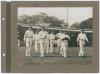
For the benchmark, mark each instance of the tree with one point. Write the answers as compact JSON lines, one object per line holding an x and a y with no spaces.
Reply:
{"x":55,"y":21}
{"x":87,"y":24}
{"x":35,"y":20}
{"x":25,"y":19}
{"x":75,"y":25}
{"x":65,"y":25}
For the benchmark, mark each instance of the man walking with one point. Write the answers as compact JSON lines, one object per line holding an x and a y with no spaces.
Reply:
{"x":42,"y":39}
{"x":64,"y":44}
{"x":47,"y":42}
{"x":81,"y":41}
{"x":52,"y":39}
{"x":59,"y":41}
{"x":28,"y":38}
{"x":36,"y":41}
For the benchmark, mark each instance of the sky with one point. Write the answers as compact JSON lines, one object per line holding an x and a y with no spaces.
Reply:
{"x":75,"y":14}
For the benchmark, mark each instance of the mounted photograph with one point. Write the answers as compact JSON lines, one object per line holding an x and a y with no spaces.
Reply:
{"x":50,"y":37}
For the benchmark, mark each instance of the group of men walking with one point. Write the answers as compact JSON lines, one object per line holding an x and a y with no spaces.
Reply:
{"x":43,"y":40}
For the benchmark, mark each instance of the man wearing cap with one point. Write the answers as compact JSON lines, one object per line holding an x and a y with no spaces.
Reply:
{"x":81,"y":41}
{"x":64,"y":43}
{"x":52,"y":39}
{"x":28,"y":38}
{"x":42,"y":39}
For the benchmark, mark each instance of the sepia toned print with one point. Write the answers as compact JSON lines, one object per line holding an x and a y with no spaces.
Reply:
{"x":55,"y":35}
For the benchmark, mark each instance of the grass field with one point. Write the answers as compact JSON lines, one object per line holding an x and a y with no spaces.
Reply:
{"x":55,"y":58}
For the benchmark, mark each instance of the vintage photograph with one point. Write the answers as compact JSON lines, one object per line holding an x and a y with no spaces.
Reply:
{"x":55,"y":35}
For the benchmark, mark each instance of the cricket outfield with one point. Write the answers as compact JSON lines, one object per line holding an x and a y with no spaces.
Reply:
{"x":56,"y":58}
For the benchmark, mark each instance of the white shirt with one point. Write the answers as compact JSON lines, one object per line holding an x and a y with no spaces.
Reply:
{"x":42,"y":34}
{"x":28,"y":34}
{"x":36,"y":37}
{"x":59,"y":35}
{"x":47,"y":35}
{"x":82,"y":37}
{"x":64,"y":36}
{"x":51,"y":36}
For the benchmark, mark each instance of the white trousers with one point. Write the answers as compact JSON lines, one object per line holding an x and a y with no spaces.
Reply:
{"x":64,"y":45}
{"x":28,"y":46}
{"x":28,"y":50}
{"x":81,"y":45}
{"x":58,"y":43}
{"x":42,"y":47}
{"x":51,"y":45}
{"x":47,"y":46}
{"x":36,"y":45}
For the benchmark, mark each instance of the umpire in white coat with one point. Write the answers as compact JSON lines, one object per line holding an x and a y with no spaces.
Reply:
{"x":81,"y":41}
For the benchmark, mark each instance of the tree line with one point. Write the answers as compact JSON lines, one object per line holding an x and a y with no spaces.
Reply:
{"x":35,"y":20}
